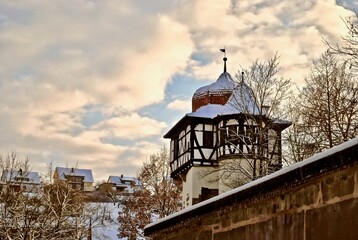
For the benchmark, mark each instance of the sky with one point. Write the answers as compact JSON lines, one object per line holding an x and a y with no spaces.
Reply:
{"x":96,"y":84}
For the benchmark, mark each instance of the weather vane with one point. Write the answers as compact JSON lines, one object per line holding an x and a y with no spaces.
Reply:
{"x":224,"y":51}
{"x":225,"y":59}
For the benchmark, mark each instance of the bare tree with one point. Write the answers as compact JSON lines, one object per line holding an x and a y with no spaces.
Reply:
{"x":65,"y":209}
{"x":106,"y":193}
{"x":265,"y":91}
{"x":136,"y":213}
{"x":158,"y":197}
{"x":12,"y":165}
{"x":56,"y":212}
{"x":18,"y":209}
{"x":349,"y":48}
{"x":327,"y":108}
{"x":48,"y":178}
{"x":298,"y":144}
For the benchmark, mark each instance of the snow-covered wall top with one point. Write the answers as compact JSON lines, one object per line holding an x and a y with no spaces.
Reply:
{"x":334,"y":158}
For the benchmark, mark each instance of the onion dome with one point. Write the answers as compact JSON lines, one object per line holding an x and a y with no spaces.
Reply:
{"x":242,"y":99}
{"x":218,"y":92}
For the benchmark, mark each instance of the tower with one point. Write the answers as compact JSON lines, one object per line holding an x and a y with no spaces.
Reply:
{"x":226,"y":140}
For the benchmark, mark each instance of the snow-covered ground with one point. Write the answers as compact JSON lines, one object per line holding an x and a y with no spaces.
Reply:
{"x":109,"y":228}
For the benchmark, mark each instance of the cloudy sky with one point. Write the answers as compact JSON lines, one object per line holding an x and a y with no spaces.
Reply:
{"x":96,"y":84}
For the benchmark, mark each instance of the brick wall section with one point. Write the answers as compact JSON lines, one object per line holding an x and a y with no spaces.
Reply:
{"x":316,"y":202}
{"x":212,"y":98}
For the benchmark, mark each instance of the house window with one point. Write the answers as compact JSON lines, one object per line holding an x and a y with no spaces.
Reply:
{"x":22,"y":179}
{"x":208,"y":139}
{"x":176,"y":148}
{"x":232,"y":131}
{"x":222,"y":134}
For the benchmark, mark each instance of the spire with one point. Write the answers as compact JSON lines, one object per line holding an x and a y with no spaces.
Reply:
{"x":225,"y":59}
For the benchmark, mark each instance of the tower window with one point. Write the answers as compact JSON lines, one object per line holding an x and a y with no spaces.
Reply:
{"x":222,"y":134}
{"x":176,"y":148}
{"x":208,"y":139}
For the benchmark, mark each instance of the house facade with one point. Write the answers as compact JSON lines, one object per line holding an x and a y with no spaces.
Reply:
{"x":21,"y":180}
{"x":78,"y":179}
{"x":123,"y":184}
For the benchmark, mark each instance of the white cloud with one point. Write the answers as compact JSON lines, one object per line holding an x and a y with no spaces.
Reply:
{"x":146,"y":73}
{"x":61,"y":59}
{"x":131,"y":127}
{"x":257,"y":29}
{"x":183,"y":105}
{"x":85,"y":49}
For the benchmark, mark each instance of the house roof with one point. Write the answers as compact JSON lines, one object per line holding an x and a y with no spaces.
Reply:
{"x":241,"y":101}
{"x":223,"y":83}
{"x":86,"y":173}
{"x":11,"y":175}
{"x":118,"y":180}
{"x":214,"y":111}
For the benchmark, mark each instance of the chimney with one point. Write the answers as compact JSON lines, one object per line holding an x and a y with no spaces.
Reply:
{"x":265,"y":109}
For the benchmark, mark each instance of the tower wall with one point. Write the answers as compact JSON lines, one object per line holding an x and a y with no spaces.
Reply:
{"x":196,"y":187}
{"x":235,"y":172}
{"x":210,"y":98}
{"x":211,"y":136}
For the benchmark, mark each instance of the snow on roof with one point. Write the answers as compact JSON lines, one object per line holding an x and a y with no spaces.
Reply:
{"x":13,"y":174}
{"x":121,"y":179}
{"x":224,"y":82}
{"x":214,"y":110}
{"x":242,"y":99}
{"x":86,"y":173}
{"x":281,"y":121}
{"x":283,"y":171}
{"x":208,"y":111}
{"x":34,"y":177}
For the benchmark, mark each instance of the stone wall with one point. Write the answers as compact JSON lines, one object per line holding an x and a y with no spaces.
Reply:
{"x":312,"y":200}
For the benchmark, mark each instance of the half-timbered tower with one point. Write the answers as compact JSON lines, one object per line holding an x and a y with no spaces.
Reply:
{"x":225,"y":140}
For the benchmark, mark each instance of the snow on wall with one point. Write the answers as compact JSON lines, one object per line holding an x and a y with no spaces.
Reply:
{"x":329,"y":152}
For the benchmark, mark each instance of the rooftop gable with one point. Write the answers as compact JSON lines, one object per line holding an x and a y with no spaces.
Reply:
{"x":14,"y":176}
{"x":121,"y":179}
{"x":86,"y":173}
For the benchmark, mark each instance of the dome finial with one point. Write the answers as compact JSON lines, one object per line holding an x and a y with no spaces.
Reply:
{"x":225,"y":59}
